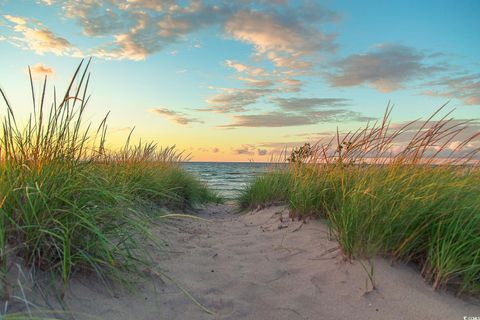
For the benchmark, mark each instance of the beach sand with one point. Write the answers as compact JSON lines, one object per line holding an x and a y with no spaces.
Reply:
{"x":262,"y":265}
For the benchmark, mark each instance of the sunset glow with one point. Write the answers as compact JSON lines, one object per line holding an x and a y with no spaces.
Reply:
{"x":242,"y":80}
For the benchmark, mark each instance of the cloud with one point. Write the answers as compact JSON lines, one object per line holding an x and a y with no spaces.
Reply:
{"x":264,"y":32}
{"x":141,"y":41}
{"x":41,"y":69}
{"x":99,"y":18}
{"x":38,"y":38}
{"x":386,"y":68}
{"x":279,"y":146}
{"x":235,"y":100}
{"x":19,"y":21}
{"x":308,"y":104}
{"x":212,"y":150}
{"x":312,"y":135}
{"x":465,"y":88}
{"x":239,"y":67}
{"x":291,"y":85}
{"x":135,"y":29}
{"x":291,"y":82}
{"x":48,"y":2}
{"x":149,"y":4}
{"x":259,"y":83}
{"x":245,"y":150}
{"x":290,"y":62}
{"x":285,"y":35}
{"x":277,"y":32}
{"x":176,"y":117}
{"x":299,"y":112}
{"x":262,"y":152}
{"x":139,"y":28}
{"x":287,"y":119}
{"x":248,"y":149}
{"x":43,"y":40}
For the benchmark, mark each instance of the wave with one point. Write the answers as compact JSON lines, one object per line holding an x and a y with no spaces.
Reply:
{"x":228,"y":179}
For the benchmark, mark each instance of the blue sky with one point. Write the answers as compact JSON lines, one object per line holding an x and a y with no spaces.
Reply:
{"x":237,"y":80}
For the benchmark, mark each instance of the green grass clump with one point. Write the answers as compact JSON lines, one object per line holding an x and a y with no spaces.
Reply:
{"x":270,"y":188}
{"x":68,"y":204}
{"x":419,"y":204}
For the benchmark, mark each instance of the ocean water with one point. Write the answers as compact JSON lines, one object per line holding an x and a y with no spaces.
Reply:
{"x":227,"y":178}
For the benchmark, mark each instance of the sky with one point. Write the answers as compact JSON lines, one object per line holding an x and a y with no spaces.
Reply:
{"x":242,"y":80}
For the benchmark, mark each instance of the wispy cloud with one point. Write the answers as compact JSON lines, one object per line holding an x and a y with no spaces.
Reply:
{"x":38,"y":38}
{"x":257,"y":82}
{"x":48,"y":2}
{"x":235,"y":100}
{"x":299,"y":112}
{"x":18,"y":21}
{"x":286,"y":119}
{"x":135,"y":29}
{"x":283,"y":35}
{"x":290,"y":85}
{"x":262,"y":152}
{"x":287,"y":35}
{"x":240,"y":67}
{"x":250,"y":150}
{"x":41,"y":69}
{"x":465,"y":88}
{"x":140,"y":28}
{"x":309,"y":104}
{"x":253,"y":82}
{"x":245,"y":150}
{"x":174,"y":116}
{"x":385,"y":68}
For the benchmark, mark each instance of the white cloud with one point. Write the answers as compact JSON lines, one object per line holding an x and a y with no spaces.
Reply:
{"x":272,"y":34}
{"x":174,"y":116}
{"x":38,"y":38}
{"x":239,"y":67}
{"x":41,"y":69}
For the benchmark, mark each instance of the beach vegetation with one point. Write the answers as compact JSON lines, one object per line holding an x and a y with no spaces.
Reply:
{"x":406,"y":192}
{"x":70,"y":204}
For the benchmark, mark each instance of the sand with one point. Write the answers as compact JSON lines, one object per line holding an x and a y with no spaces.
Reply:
{"x":262,"y":265}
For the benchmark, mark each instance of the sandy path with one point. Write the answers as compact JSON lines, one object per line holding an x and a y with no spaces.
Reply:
{"x":246,"y":267}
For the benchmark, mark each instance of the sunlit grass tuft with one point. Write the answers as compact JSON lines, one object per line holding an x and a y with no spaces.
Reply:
{"x":415,"y":203}
{"x":68,"y":204}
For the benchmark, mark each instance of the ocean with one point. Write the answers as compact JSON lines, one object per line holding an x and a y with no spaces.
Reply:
{"x":227,"y":178}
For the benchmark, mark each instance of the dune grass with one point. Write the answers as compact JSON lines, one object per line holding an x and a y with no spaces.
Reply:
{"x":67,"y":203}
{"x":414,"y":203}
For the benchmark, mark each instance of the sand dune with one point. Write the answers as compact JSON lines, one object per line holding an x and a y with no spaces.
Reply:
{"x":261,"y":265}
